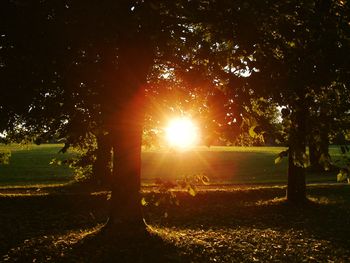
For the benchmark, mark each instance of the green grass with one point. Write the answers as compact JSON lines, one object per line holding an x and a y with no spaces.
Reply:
{"x":237,"y":165}
{"x":29,"y":165}
{"x":220,"y":164}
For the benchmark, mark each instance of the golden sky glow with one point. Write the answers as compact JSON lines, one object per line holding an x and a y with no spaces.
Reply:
{"x":182,"y":133}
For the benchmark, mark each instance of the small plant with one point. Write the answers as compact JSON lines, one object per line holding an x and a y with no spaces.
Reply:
{"x":190,"y":182}
{"x":167,"y":196}
{"x":344,"y":172}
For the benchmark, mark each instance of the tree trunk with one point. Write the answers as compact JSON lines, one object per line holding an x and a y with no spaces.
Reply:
{"x":296,"y":188}
{"x":314,"y":153}
{"x":324,"y":143}
{"x":135,"y":58}
{"x":126,"y":214}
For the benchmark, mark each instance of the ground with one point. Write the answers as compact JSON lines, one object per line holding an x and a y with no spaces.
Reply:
{"x":241,"y":216}
{"x":219,"y":224}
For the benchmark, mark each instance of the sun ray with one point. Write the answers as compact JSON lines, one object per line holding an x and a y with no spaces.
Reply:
{"x":182,"y":133}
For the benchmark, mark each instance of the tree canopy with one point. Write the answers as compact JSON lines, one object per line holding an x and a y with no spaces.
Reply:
{"x":76,"y":68}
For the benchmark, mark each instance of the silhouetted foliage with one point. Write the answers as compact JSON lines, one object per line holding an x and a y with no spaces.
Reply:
{"x":81,"y":69}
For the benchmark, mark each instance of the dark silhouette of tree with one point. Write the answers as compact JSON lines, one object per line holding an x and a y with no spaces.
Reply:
{"x":291,"y":52}
{"x":301,"y":52}
{"x":329,"y":117}
{"x":83,"y":67}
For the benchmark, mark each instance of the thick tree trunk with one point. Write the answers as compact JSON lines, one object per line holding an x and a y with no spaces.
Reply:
{"x":135,"y":58}
{"x":126,"y":214}
{"x":296,"y":189}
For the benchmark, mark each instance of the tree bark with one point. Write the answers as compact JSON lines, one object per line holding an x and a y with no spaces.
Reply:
{"x":126,"y":214}
{"x":296,"y":188}
{"x":314,"y":153}
{"x":135,"y":58}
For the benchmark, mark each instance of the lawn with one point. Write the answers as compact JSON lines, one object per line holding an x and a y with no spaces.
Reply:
{"x":30,"y":165}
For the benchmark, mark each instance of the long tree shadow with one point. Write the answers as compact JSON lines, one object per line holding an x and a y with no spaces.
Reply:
{"x":67,"y":227}
{"x":321,"y":217}
{"x":102,"y":246}
{"x":24,"y":218}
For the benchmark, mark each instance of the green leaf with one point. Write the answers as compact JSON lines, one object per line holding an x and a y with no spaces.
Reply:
{"x":278,"y":160}
{"x":280,"y":156}
{"x":301,"y":159}
{"x":144,"y":202}
{"x":342,"y":175}
{"x":191,"y":190}
{"x":291,"y":44}
{"x":252,"y":132}
{"x":205,"y":179}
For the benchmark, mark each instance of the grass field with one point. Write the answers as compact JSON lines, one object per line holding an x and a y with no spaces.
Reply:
{"x":231,"y":165}
{"x":30,"y":165}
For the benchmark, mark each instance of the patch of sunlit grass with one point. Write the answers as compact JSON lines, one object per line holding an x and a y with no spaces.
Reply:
{"x":22,"y":194}
{"x":73,"y":237}
{"x":34,"y":186}
{"x":322,"y":200}
{"x":274,"y":201}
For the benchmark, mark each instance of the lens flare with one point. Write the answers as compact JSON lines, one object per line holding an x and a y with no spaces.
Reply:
{"x":182,"y":133}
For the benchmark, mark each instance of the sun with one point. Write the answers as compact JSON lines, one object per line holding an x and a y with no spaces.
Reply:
{"x":182,"y":133}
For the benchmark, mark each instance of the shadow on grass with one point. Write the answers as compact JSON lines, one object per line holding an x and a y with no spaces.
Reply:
{"x":226,"y":226}
{"x":325,"y":216}
{"x":101,"y":246}
{"x":95,"y":245}
{"x":26,"y":218}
